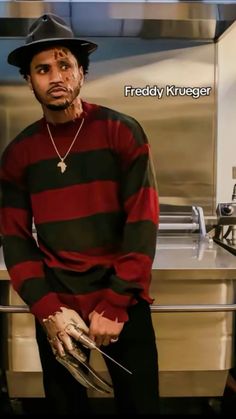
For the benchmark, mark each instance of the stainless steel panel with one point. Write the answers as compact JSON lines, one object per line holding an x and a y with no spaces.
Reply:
{"x":25,"y":384}
{"x":180,"y":128}
{"x":193,"y":341}
{"x":190,"y":345}
{"x":194,"y":348}
{"x":192,"y":20}
{"x":192,"y":383}
{"x":190,"y":258}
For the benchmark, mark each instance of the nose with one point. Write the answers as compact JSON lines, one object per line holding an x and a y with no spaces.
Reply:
{"x":55,"y":75}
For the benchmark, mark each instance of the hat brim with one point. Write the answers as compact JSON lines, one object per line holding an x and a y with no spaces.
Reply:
{"x":22,"y":55}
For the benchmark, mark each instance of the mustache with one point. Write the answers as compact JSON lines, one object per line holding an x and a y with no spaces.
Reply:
{"x":57,"y":86}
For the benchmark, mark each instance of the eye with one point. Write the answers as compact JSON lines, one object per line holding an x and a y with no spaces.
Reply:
{"x":64,"y":66}
{"x":42,"y":70}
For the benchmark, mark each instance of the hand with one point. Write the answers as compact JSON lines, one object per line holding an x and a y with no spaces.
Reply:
{"x":103,"y":330}
{"x":59,"y":329}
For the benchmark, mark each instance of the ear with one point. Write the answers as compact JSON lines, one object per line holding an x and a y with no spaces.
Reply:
{"x":29,"y":82}
{"x":81,"y":73}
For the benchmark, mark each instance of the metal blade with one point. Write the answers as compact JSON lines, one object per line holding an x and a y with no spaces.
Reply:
{"x":79,"y":375}
{"x":112,"y":359}
{"x":89,"y":343}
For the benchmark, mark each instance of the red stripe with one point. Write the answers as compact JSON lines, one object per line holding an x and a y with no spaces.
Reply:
{"x":47,"y":305}
{"x":131,"y":152}
{"x":134,"y":267}
{"x":117,"y":299}
{"x":85,"y":304}
{"x":15,"y":221}
{"x":25,"y":270}
{"x":38,"y":146}
{"x":75,"y":201}
{"x":3,"y":175}
{"x":78,"y":261}
{"x":143,"y":206}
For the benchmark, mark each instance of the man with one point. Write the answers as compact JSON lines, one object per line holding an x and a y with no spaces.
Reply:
{"x":83,"y":175}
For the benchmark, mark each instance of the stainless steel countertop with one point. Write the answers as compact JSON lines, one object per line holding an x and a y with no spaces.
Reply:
{"x":189,"y":257}
{"x":182,"y":257}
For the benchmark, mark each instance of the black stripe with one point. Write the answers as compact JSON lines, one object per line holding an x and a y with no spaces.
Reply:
{"x":132,"y":124}
{"x":81,"y":168}
{"x":33,"y":289}
{"x":28,"y":131}
{"x":139,"y":175}
{"x":17,"y":250}
{"x":99,"y":230}
{"x":13,"y":197}
{"x":97,"y":278}
{"x":140,"y":237}
{"x":121,"y":286}
{"x":72,"y":282}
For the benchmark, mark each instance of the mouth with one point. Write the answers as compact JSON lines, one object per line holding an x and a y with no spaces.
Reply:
{"x":57,"y":91}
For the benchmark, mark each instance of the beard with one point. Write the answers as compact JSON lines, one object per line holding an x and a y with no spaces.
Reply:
{"x":60,"y":106}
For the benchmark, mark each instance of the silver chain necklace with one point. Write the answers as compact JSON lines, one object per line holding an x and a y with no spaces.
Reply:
{"x":62,"y":165}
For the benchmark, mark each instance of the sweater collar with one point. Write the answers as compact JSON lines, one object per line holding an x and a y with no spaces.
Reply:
{"x":88,"y":113}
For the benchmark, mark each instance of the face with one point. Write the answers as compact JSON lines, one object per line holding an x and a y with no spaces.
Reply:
{"x":55,"y":77}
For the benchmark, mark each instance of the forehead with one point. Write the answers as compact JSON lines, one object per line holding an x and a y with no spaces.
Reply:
{"x":52,"y":54}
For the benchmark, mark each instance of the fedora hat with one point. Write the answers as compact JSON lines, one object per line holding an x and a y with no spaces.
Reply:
{"x":47,"y":30}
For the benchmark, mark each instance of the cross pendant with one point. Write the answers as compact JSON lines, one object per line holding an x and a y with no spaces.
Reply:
{"x":62,"y":166}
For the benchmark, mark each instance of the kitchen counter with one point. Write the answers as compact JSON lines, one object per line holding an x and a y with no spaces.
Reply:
{"x":190,"y":257}
{"x":182,"y":257}
{"x":195,"y":349}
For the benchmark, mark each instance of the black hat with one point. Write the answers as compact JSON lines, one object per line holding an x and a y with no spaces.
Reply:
{"x":48,"y":30}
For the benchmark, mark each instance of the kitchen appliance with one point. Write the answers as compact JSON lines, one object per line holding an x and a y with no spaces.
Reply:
{"x":225,"y":230}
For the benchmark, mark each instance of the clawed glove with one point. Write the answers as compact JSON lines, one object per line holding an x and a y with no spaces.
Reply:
{"x":67,"y":334}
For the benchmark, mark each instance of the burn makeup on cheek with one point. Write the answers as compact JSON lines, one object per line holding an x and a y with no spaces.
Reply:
{"x":69,"y":88}
{"x":71,"y":81}
{"x":75,"y":75}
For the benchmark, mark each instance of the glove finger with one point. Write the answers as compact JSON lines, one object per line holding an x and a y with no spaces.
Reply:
{"x":56,"y":346}
{"x":66,"y":340}
{"x":80,"y":323}
{"x":74,"y":332}
{"x":73,"y":317}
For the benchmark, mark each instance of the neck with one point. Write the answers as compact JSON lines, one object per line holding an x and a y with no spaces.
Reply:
{"x":59,"y":117}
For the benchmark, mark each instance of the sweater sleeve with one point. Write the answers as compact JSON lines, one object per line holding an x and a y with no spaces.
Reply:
{"x":140,"y":203}
{"x":22,"y":256}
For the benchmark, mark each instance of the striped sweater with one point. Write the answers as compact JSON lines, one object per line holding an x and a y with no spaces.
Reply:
{"x":96,"y":223}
